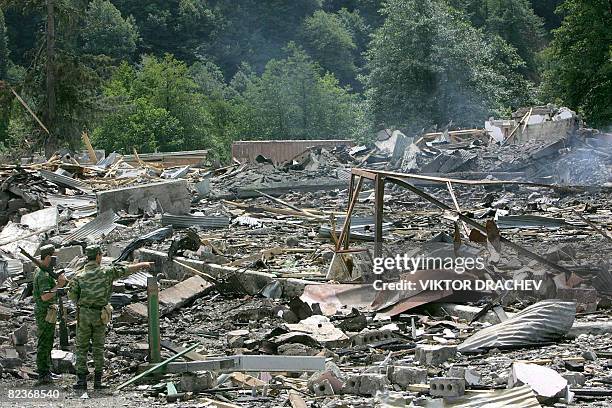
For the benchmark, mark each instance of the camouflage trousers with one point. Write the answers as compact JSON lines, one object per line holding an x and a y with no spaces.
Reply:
{"x":90,"y":329}
{"x":45,"y":333}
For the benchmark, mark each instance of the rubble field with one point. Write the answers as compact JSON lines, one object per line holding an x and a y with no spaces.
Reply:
{"x":262,"y":295}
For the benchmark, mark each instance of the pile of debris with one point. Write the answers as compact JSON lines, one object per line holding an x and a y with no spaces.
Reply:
{"x":266,"y":279}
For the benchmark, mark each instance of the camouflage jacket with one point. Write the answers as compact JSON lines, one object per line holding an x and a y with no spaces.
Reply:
{"x":43,"y":282}
{"x":92,"y":286}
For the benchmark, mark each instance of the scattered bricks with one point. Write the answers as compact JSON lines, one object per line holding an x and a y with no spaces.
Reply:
{"x":404,"y":376}
{"x":446,"y":387}
{"x":585,"y":298}
{"x":9,"y":358}
{"x":332,"y":374}
{"x":323,"y":388}
{"x":434,"y":355}
{"x":372,"y":336}
{"x":197,"y":382}
{"x":574,"y":378}
{"x":471,"y":377}
{"x":63,"y":361}
{"x":67,"y":254}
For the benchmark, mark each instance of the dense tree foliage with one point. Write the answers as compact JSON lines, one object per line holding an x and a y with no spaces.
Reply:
{"x":428,"y":65}
{"x":191,"y":74}
{"x":578,"y":69}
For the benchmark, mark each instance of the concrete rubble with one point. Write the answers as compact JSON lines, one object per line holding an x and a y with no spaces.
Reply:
{"x":268,"y":296}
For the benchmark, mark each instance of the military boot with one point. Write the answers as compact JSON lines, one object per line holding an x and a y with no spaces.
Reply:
{"x":44,"y":378}
{"x":98,"y":381}
{"x":81,"y":383}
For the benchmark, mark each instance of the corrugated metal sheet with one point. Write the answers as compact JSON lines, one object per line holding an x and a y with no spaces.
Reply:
{"x":186,"y":221}
{"x":519,"y":397}
{"x":530,"y":221}
{"x":546,"y":321}
{"x":136,"y":279}
{"x":279,"y":150}
{"x":65,"y":181}
{"x":101,"y":225}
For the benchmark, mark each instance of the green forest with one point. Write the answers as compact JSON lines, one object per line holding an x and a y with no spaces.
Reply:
{"x":167,"y":75}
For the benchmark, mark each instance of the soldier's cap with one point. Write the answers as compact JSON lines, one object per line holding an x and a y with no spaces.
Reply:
{"x":46,"y":250}
{"x":92,"y":251}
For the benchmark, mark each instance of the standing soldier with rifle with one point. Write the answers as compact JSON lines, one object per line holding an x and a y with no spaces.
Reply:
{"x":44,"y":292}
{"x":91,"y":290}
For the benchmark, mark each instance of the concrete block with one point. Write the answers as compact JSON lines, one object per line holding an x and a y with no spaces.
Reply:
{"x":198,"y":381}
{"x":9,"y":358}
{"x":585,"y":298}
{"x":372,"y":336}
{"x":574,"y":378}
{"x":446,"y":387}
{"x":19,"y":337}
{"x":545,"y":382}
{"x":433,"y":354}
{"x":332,"y":374}
{"x":67,"y":254}
{"x":366,"y":384}
{"x":471,"y":376}
{"x":404,"y":376}
{"x":63,"y":361}
{"x":323,"y":388}
{"x":173,"y":196}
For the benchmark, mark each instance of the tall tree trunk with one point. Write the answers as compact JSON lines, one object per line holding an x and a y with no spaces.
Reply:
{"x":51,"y":141}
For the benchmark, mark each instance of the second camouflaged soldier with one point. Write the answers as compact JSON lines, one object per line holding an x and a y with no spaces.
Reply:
{"x":44,"y":292}
{"x":90,"y":290}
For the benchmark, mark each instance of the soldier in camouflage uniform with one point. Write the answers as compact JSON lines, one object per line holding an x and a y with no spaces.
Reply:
{"x":44,"y":293}
{"x":91,"y":289}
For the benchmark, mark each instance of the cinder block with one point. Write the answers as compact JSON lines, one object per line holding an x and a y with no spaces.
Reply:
{"x":9,"y":358}
{"x":198,"y":381}
{"x":366,"y":384}
{"x":446,"y":387}
{"x":332,"y":374}
{"x":404,"y":376}
{"x":372,"y":336}
{"x":323,"y":388}
{"x":434,"y":355}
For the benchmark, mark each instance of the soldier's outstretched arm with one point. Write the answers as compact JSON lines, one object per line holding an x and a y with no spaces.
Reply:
{"x":119,"y":272}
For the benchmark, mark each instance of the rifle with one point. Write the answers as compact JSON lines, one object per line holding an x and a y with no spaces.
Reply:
{"x":39,"y":264}
{"x":63,"y":328}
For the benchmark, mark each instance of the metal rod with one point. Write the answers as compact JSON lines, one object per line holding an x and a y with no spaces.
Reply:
{"x":157,"y":366}
{"x":479,"y":226}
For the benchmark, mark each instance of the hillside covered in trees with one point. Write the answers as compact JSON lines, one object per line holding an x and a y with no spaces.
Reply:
{"x":194,"y":74}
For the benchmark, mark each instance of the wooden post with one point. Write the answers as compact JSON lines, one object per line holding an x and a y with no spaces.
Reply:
{"x":379,"y":193}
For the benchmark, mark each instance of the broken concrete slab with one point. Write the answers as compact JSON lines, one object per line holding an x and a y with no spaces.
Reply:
{"x":173,"y":298}
{"x":545,"y":382}
{"x":406,"y":375}
{"x":63,"y":361}
{"x":66,"y":254}
{"x":197,"y":381}
{"x":41,"y":219}
{"x":428,"y":354}
{"x":167,"y":196}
